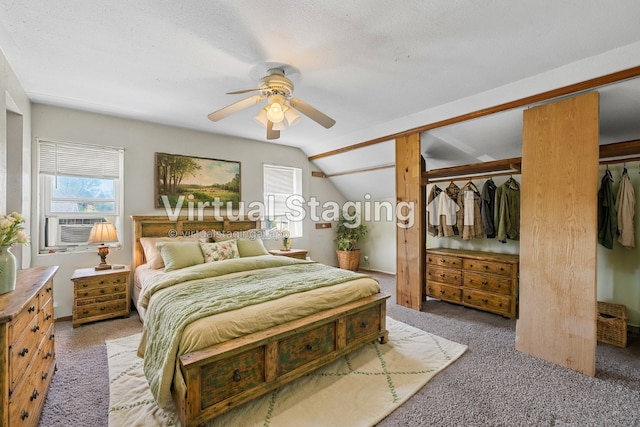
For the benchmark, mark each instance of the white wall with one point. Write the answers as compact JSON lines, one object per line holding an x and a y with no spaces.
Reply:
{"x":380,"y":243}
{"x":140,"y":141}
{"x":15,"y":147}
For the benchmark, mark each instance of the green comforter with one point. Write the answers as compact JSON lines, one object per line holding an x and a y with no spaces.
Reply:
{"x":186,"y":295}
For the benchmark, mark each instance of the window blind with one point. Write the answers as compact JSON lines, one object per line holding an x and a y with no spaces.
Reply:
{"x":279,"y":184}
{"x":61,"y":158}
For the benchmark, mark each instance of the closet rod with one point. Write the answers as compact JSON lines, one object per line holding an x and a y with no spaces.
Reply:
{"x":470,"y":177}
{"x":617,"y":161}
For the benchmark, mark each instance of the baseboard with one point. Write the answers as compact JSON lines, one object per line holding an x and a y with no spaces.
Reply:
{"x":63,"y":319}
{"x":377,"y":271}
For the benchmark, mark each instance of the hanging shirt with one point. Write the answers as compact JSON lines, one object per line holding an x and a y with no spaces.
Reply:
{"x":487,"y":208}
{"x":432,"y":229}
{"x":626,"y":209}
{"x":442,"y":210}
{"x":607,"y":221}
{"x":452,"y":191}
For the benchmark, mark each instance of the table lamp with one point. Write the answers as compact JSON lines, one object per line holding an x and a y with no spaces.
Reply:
{"x":103,"y":232}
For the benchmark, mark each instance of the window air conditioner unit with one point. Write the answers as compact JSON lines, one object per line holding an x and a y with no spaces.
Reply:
{"x":75,"y":231}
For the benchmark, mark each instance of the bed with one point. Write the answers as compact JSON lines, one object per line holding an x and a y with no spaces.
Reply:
{"x":226,"y":358}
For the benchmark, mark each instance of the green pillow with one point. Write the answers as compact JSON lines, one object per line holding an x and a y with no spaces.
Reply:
{"x":180,"y":254}
{"x":251,"y":247}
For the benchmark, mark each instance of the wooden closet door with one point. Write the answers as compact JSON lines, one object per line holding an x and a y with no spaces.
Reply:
{"x":558,"y":235}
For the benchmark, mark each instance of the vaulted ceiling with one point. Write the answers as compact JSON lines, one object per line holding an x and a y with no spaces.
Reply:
{"x":376,"y":67}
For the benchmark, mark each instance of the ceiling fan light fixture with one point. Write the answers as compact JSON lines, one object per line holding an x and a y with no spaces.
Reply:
{"x":261,"y":117}
{"x":275,"y":109}
{"x":280,"y":126}
{"x":291,"y":116}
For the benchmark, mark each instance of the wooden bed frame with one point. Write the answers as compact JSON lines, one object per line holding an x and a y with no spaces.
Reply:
{"x":226,"y":375}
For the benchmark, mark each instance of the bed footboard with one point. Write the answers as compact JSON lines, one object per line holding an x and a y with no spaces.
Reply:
{"x":229,"y":374}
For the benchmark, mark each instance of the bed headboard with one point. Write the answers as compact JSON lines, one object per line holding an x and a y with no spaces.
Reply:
{"x":162,"y":226}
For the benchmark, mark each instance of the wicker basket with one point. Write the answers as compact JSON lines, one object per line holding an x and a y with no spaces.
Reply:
{"x":349,"y":260}
{"x":612,"y":324}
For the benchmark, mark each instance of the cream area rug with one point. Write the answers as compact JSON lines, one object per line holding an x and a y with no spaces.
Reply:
{"x":359,"y":389}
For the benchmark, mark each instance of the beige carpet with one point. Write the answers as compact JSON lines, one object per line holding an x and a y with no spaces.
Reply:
{"x":358,"y":390}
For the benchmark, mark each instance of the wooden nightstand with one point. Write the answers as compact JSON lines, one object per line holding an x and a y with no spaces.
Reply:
{"x":291,"y":253}
{"x":99,"y":295}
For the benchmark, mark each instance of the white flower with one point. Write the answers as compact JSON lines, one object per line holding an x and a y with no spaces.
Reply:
{"x":12,"y":230}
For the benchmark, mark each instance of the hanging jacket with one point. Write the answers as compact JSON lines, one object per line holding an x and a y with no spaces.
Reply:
{"x":487,"y":207}
{"x":507,"y":213}
{"x":607,"y":221}
{"x":626,"y":209}
{"x":470,"y":218}
{"x":431,"y":228}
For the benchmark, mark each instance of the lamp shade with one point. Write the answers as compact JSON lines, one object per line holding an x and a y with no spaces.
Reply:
{"x":103,"y":232}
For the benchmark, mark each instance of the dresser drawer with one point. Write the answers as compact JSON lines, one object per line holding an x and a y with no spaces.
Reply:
{"x":46,"y":294}
{"x":444,"y":275}
{"x":26,"y":402}
{"x":492,"y":267}
{"x":46,"y":314}
{"x":24,"y":318}
{"x":305,"y":347}
{"x":488,"y":283}
{"x":490,"y":302}
{"x":444,"y":292}
{"x":444,"y":260}
{"x":101,"y":281}
{"x":104,"y":308}
{"x":363,"y":324}
{"x":228,"y":377}
{"x":24,"y":350}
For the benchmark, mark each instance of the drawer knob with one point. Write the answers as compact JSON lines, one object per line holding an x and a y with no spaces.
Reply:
{"x":236,"y":375}
{"x":86,"y":294}
{"x":486,"y":301}
{"x":31,"y":309}
{"x":23,"y":352}
{"x":441,"y":291}
{"x":48,"y":289}
{"x":48,"y":355}
{"x":34,"y":395}
{"x":47,"y":317}
{"x":24,"y":415}
{"x":363,"y":325}
{"x":35,"y":328}
{"x":485,"y":283}
{"x":102,"y":291}
{"x":486,"y":267}
{"x":102,"y":308}
{"x":52,"y":336}
{"x":45,"y":375}
{"x":441,"y":274}
{"x":309,"y":347}
{"x":102,"y":282}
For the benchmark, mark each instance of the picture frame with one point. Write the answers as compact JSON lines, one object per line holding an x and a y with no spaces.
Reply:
{"x":198,"y":179}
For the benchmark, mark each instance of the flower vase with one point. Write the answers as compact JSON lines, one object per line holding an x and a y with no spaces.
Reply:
{"x":7,"y":270}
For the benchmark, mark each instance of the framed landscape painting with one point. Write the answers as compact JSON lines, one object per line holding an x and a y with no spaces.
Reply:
{"x":198,"y":179}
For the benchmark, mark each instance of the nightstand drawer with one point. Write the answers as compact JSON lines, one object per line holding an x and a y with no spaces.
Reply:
{"x":96,"y":292}
{"x":117,"y":307}
{"x":101,"y":281}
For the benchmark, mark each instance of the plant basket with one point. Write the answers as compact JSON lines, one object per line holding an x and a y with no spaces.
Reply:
{"x":612,"y":324}
{"x":349,"y":260}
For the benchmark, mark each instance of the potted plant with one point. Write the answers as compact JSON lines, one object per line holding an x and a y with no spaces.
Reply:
{"x":348,"y":234}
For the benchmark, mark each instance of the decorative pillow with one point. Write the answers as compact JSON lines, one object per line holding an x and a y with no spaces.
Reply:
{"x":251,"y":247}
{"x":180,"y":254}
{"x":152,"y":254}
{"x":220,"y":250}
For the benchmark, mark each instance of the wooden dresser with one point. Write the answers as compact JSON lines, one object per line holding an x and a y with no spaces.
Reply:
{"x":481,"y":280}
{"x":100,"y":294}
{"x":28,"y":357}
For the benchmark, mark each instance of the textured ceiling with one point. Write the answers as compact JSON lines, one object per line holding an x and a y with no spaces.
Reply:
{"x":377,"y":67}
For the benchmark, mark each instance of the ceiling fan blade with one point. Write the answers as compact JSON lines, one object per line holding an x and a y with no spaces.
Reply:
{"x":236,"y":106}
{"x":271,"y":133}
{"x":312,"y":113}
{"x":237,"y":92}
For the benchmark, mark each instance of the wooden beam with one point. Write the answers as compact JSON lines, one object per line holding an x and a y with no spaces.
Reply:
{"x":522,"y":102}
{"x":410,"y":238}
{"x":376,"y":168}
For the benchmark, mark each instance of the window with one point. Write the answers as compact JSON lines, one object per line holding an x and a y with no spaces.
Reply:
{"x":280,"y":184}
{"x":79,"y":185}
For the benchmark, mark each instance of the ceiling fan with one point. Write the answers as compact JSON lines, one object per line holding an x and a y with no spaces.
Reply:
{"x":281,"y":109}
